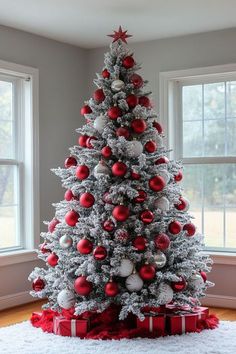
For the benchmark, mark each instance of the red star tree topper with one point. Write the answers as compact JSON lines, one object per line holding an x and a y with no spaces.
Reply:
{"x":120,"y":34}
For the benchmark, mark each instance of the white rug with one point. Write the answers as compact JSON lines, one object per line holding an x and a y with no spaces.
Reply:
{"x":22,"y":338}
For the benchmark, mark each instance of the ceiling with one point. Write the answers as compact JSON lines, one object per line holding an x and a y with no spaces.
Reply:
{"x":86,"y":22}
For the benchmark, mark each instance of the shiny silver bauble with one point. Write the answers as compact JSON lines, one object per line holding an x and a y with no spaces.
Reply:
{"x":65,"y":241}
{"x":117,"y":85}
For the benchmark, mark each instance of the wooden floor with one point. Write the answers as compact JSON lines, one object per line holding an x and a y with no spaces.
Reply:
{"x":22,"y":313}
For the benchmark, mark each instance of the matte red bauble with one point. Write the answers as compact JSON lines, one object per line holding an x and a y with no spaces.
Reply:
{"x":162,"y":241}
{"x":82,"y":286}
{"x":147,"y":272}
{"x":119,"y":169}
{"x":141,"y":197}
{"x":121,"y":235}
{"x":144,"y":101}
{"x":38,"y":284}
{"x":158,"y":127}
{"x":52,"y":260}
{"x":138,"y":125}
{"x":106,"y":198}
{"x":111,"y":289}
{"x":84,"y":246}
{"x":157,"y":183}
{"x":146,"y":216}
{"x":134,"y":175}
{"x":175,"y":227}
{"x":120,"y":212}
{"x":179,"y":176}
{"x":179,"y":285}
{"x":140,"y":243}
{"x":68,"y":195}
{"x":53,"y":223}
{"x":105,"y":74}
{"x":136,"y":80}
{"x":190,"y":229}
{"x":204,"y":276}
{"x":70,"y":161}
{"x":82,"y":172}
{"x":128,"y":62}
{"x":100,"y":253}
{"x":114,"y":112}
{"x":106,"y":151}
{"x":123,"y":131}
{"x":85,"y":110}
{"x":99,"y":95}
{"x":161,"y":160}
{"x":89,"y":140}
{"x":182,"y":205}
{"x":132,"y":101}
{"x":44,"y":249}
{"x":83,"y":140}
{"x":150,"y":146}
{"x":71,"y":218}
{"x":86,"y":200}
{"x":108,"y":225}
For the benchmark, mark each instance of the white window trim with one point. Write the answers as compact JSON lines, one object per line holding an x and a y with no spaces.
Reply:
{"x":168,"y":99}
{"x":31,"y":196}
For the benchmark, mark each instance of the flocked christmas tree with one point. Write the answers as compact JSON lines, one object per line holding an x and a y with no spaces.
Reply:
{"x":122,"y":234}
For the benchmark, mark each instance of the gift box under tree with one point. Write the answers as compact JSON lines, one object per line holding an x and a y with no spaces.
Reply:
{"x":70,"y":327}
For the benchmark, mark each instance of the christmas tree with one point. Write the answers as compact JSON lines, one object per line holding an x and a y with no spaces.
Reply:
{"x":122,"y":234}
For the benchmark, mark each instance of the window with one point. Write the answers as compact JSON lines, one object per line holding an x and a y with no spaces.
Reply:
{"x":18,"y":158}
{"x":201,"y":110}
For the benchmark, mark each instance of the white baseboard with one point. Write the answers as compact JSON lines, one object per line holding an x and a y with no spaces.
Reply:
{"x":15,"y":299}
{"x":219,"y":301}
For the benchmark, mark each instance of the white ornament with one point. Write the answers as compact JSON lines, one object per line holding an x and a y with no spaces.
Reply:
{"x":134,"y":148}
{"x":126,"y":267}
{"x":158,"y":140}
{"x":160,"y":260}
{"x":117,"y":85}
{"x":134,"y":282}
{"x":196,"y":282}
{"x":165,"y":294}
{"x":162,"y":203}
{"x":100,"y":123}
{"x":165,"y":175}
{"x":66,"y":299}
{"x":65,"y":241}
{"x":101,"y":169}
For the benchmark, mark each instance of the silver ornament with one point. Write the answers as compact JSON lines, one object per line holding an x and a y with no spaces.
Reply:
{"x":158,"y":140}
{"x":65,"y":241}
{"x":101,"y":170}
{"x":134,"y":148}
{"x":117,"y":85}
{"x":100,"y":123}
{"x":196,"y":282}
{"x":66,"y":299}
{"x":126,"y":267}
{"x":160,"y":260}
{"x":165,"y":294}
{"x":162,"y":203}
{"x":134,"y":282}
{"x":165,"y":175}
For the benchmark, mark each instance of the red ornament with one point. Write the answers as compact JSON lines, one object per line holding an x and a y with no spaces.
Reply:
{"x":44,"y":249}
{"x":86,"y":200}
{"x":82,"y":172}
{"x":123,"y":131}
{"x":150,"y":146}
{"x":119,"y":169}
{"x":121,"y":235}
{"x":70,"y":161}
{"x":147,"y":272}
{"x":84,"y":246}
{"x":157,"y":183}
{"x":146,"y":216}
{"x":158,"y":127}
{"x":52,"y":260}
{"x":114,"y":112}
{"x":190,"y":229}
{"x":100,"y":253}
{"x":89,"y":140}
{"x":128,"y":62}
{"x":83,"y":140}
{"x":38,"y":284}
{"x":105,"y":74}
{"x":204,"y":276}
{"x":120,"y":212}
{"x":179,"y":285}
{"x":99,"y":95}
{"x":132,"y":101}
{"x":82,"y":286}
{"x":162,"y":241}
{"x":141,"y":197}
{"x":136,"y":80}
{"x":144,"y":101}
{"x":175,"y":227}
{"x":71,"y":218}
{"x":135,"y":176}
{"x":182,"y":205}
{"x":68,"y":195}
{"x":161,"y":160}
{"x":179,"y":176}
{"x":85,"y":110}
{"x":111,"y":289}
{"x":140,"y":243}
{"x":106,"y":151}
{"x":106,"y":198}
{"x":108,"y":225}
{"x":120,"y":34}
{"x":138,"y":125}
{"x":53,"y":223}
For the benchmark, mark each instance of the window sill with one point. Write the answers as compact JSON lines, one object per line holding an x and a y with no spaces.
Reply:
{"x":15,"y":257}
{"x":222,"y":257}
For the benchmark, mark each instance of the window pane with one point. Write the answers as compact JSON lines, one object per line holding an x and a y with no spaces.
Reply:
{"x":214,"y":227}
{"x":230,"y":185}
{"x":230,"y":228}
{"x":192,"y":102}
{"x":230,"y":136}
{"x":231,"y":99}
{"x":214,"y":101}
{"x":8,"y":225}
{"x":192,"y":139}
{"x":6,"y":120}
{"x":214,"y":138}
